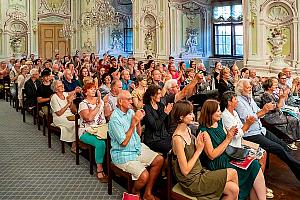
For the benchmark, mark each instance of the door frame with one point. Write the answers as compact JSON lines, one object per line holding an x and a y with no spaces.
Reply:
{"x":40,"y":32}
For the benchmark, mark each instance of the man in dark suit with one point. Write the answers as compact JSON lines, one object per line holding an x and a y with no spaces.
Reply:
{"x":30,"y":88}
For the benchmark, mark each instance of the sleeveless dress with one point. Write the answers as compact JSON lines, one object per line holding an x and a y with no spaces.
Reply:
{"x":200,"y":183}
{"x":246,"y":177}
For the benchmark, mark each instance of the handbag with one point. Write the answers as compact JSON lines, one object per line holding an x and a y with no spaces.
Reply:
{"x":127,"y":196}
{"x":237,"y":153}
{"x":100,"y":131}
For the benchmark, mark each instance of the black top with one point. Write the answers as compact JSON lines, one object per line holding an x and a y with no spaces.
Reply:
{"x":30,"y":89}
{"x":168,"y":98}
{"x":223,"y":87}
{"x":44,"y":91}
{"x":156,"y":122}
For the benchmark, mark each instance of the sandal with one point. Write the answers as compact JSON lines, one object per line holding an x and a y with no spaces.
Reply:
{"x":104,"y":178}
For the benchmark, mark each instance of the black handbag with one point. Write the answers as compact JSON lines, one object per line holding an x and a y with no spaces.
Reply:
{"x":237,"y":153}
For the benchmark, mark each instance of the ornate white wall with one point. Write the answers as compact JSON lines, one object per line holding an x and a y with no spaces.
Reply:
{"x":160,"y":27}
{"x":272,"y":35}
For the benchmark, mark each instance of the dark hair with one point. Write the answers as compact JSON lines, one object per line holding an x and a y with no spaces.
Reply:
{"x":149,"y":64}
{"x":149,"y":57}
{"x":180,"y":64}
{"x":180,"y":109}
{"x":191,"y":63}
{"x":171,"y":57}
{"x":267,"y":84}
{"x":244,"y":70}
{"x":80,"y":73}
{"x":104,"y":76}
{"x":150,"y":92}
{"x":139,"y":65}
{"x":281,"y":74}
{"x":68,"y":65}
{"x":209,"y":107}
{"x":217,"y":63}
{"x":227,"y":96}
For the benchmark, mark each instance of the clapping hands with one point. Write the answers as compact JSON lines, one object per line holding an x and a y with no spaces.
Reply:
{"x":232,"y":132}
{"x":168,"y":108}
{"x":200,"y":141}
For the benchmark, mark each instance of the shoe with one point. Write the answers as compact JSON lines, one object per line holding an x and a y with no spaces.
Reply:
{"x":269,"y":190}
{"x":104,"y":178}
{"x":269,"y":195}
{"x":74,"y":151}
{"x":292,"y":146}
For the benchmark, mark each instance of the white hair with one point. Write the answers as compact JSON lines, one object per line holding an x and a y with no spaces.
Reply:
{"x":33,"y":71}
{"x":239,"y":89}
{"x":169,"y":83}
{"x":53,"y":85}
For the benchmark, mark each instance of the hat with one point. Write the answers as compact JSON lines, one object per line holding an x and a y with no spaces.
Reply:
{"x":46,"y":72}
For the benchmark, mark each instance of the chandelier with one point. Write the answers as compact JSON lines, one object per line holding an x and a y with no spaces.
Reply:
{"x":102,"y":15}
{"x":68,"y":29}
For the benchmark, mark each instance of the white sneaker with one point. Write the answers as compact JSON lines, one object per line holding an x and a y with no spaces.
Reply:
{"x":292,"y":146}
{"x":269,"y":190}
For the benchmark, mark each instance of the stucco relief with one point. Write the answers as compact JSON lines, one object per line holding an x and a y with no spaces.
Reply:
{"x":278,"y":13}
{"x":60,"y":8}
{"x":253,"y":7}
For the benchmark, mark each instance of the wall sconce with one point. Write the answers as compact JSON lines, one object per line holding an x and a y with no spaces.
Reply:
{"x":252,"y":21}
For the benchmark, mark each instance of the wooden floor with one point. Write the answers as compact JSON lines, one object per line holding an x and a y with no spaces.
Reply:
{"x":281,"y":179}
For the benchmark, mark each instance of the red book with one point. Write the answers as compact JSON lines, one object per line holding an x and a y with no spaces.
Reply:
{"x":243,"y":164}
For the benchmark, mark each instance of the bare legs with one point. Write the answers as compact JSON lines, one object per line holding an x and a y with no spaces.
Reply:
{"x":148,"y":178}
{"x":231,"y":190}
{"x":259,"y":188}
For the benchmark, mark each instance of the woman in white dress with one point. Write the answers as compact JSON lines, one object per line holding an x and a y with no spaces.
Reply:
{"x":62,"y":106}
{"x":22,"y":78}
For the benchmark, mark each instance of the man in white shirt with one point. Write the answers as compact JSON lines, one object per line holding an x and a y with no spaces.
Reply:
{"x":289,"y":78}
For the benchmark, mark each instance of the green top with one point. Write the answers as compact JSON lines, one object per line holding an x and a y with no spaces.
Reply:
{"x":246,"y":177}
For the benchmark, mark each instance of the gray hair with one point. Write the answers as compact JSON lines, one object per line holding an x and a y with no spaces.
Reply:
{"x":169,"y":83}
{"x":239,"y":89}
{"x":33,"y":71}
{"x":53,"y":85}
{"x":122,"y":95}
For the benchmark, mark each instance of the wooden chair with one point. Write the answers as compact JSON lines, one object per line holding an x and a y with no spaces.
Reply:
{"x":7,"y":92}
{"x":111,"y":168}
{"x":174,"y":189}
{"x":89,"y":147}
{"x":31,"y":110}
{"x":54,"y":129}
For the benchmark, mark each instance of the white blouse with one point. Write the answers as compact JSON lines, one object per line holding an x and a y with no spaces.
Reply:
{"x":229,"y":121}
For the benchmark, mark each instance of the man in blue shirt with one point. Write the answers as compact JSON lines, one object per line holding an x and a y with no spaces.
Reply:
{"x":128,"y":152}
{"x":257,"y":133}
{"x":127,"y":84}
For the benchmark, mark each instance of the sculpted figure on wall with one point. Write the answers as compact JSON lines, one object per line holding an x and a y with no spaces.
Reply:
{"x":192,"y":41}
{"x":117,"y":40}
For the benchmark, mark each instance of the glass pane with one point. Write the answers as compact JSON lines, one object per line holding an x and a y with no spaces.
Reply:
{"x":221,"y":11}
{"x":239,"y":50}
{"x":237,"y":10}
{"x":238,"y":29}
{"x":239,"y":40}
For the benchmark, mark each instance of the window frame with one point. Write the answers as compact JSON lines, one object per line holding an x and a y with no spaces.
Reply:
{"x":233,"y":23}
{"x":125,"y":40}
